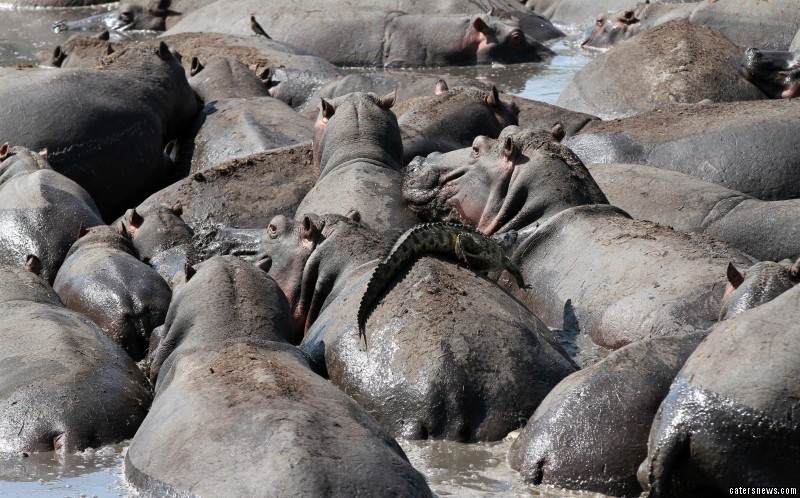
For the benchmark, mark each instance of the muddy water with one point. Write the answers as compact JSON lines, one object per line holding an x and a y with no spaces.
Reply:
{"x":452,"y":469}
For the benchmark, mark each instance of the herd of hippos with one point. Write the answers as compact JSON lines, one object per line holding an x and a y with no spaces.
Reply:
{"x":263,"y":269}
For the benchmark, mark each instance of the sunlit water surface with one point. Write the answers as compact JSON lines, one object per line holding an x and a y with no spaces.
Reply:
{"x":452,"y":469}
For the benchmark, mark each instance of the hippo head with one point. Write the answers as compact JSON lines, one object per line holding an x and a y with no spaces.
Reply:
{"x":610,"y":30}
{"x":129,"y":16}
{"x":451,"y":119}
{"x":761,"y":283}
{"x":777,"y":74}
{"x":497,"y":41}
{"x":103,"y":236}
{"x":307,"y":257}
{"x":155,"y":228}
{"x":19,"y":160}
{"x":356,"y":126}
{"x":498,"y":185}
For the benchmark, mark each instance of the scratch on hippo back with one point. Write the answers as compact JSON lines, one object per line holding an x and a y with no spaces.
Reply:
{"x":422,"y":238}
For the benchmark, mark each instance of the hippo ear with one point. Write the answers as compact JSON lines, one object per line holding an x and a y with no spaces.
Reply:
{"x":4,"y":151}
{"x":266,"y":76}
{"x":136,"y":219}
{"x":326,"y":110}
{"x":387,"y":101}
{"x":109,"y":50}
{"x":188,"y":271}
{"x":104,"y":35}
{"x":493,"y":99}
{"x":123,"y":231}
{"x":82,"y":231}
{"x":309,"y":228}
{"x":196,"y":67}
{"x":629,"y":17}
{"x":33,"y":264}
{"x":481,"y":27}
{"x":163,"y":52}
{"x":44,"y":154}
{"x":177,"y":208}
{"x":58,"y":56}
{"x":558,"y":132}
{"x":441,"y":87}
{"x":510,"y":150}
{"x":794,"y":271}
{"x":354,"y":215}
{"x":734,"y":277}
{"x":265,"y":264}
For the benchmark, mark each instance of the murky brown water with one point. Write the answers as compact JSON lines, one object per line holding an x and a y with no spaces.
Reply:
{"x":452,"y":469}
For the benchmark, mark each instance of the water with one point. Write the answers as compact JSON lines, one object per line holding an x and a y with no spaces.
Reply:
{"x":452,"y":469}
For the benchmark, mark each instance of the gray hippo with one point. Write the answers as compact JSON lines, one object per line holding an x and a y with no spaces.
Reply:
{"x":580,"y":12}
{"x":766,"y":230}
{"x":64,"y":385}
{"x":115,"y":121}
{"x":227,"y":382}
{"x":482,"y":365}
{"x":161,"y":238}
{"x":675,"y":62}
{"x":56,"y":3}
{"x":777,"y":74}
{"x":730,"y":418}
{"x":365,"y":35}
{"x":744,"y":146}
{"x":136,"y":15}
{"x":407,"y":85}
{"x":451,"y":119}
{"x":358,"y":154}
{"x":103,"y":278}
{"x":590,"y":432}
{"x":759,"y":284}
{"x":293,"y":73}
{"x":239,"y":118}
{"x":535,"y":115}
{"x":768,"y":25}
{"x":623,"y":280}
{"x":79,"y":51}
{"x":41,"y":211}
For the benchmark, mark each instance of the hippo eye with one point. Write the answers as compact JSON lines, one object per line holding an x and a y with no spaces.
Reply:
{"x":600,"y":22}
{"x":517,"y":38}
{"x":126,"y":17}
{"x":272,"y":230}
{"x":476,"y":151}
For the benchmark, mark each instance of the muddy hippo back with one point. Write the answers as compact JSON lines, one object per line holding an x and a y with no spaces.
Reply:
{"x":229,"y":384}
{"x":64,"y":385}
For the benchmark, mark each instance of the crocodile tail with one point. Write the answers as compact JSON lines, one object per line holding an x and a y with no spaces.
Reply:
{"x":377,"y":281}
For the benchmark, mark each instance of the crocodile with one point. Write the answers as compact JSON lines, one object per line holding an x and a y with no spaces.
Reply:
{"x":469,"y":246}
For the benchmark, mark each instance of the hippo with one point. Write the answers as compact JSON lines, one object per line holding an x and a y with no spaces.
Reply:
{"x":759,"y":284}
{"x":227,"y":381}
{"x":79,"y":51}
{"x":580,"y":12}
{"x":675,"y":62}
{"x":57,"y":3}
{"x":590,"y":432}
{"x":730,"y":418}
{"x":406,"y":84}
{"x":452,"y":119}
{"x":480,"y":369}
{"x":293,"y":73}
{"x":386,"y":38}
{"x":758,"y":158}
{"x":239,"y":118}
{"x":41,"y":211}
{"x":160,"y":237}
{"x":768,"y":25}
{"x":655,"y":281}
{"x":103,"y":278}
{"x":777,"y":74}
{"x":64,"y":385}
{"x":137,"y":15}
{"x":114,"y":121}
{"x":222,"y":77}
{"x":766,"y":230}
{"x":535,"y":114}
{"x":358,"y":154}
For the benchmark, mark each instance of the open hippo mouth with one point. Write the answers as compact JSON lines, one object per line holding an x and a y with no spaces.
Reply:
{"x":428,"y":190}
{"x":777,"y":74}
